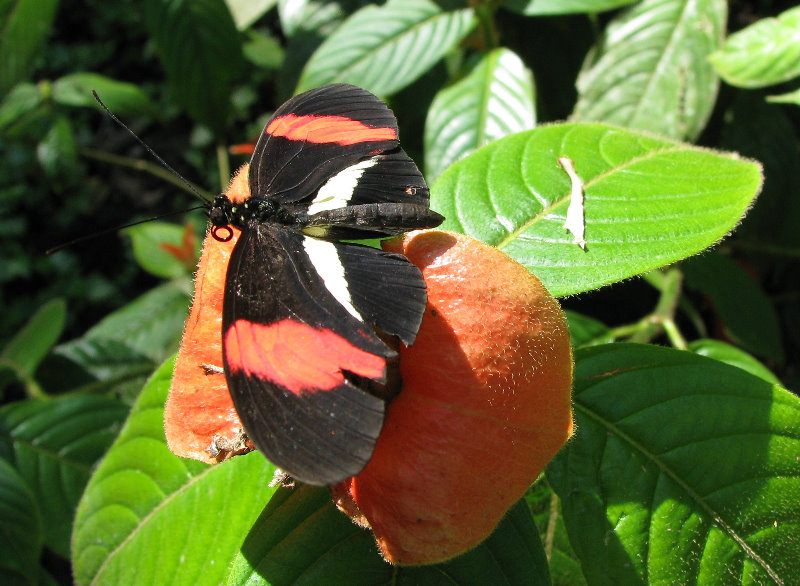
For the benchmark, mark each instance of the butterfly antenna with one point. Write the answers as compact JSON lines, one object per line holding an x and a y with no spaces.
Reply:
{"x":115,"y":228}
{"x":161,"y":161}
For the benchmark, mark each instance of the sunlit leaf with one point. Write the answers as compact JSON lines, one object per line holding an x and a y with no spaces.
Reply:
{"x":166,"y":520}
{"x":651,"y":69}
{"x":122,"y":98}
{"x":385,"y":48}
{"x":496,"y":99}
{"x":765,"y":53}
{"x":548,"y":7}
{"x":648,"y":201}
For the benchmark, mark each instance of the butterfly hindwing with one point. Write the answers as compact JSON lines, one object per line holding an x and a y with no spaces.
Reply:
{"x":295,"y":333}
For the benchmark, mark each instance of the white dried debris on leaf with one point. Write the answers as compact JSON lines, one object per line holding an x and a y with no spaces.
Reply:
{"x":575,"y":222}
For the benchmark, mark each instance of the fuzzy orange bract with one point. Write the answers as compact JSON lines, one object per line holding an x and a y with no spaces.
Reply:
{"x":485,"y":404}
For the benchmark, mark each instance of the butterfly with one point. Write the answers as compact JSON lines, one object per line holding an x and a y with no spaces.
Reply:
{"x":306,"y":311}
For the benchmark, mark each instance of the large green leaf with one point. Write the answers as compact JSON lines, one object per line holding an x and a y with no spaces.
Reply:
{"x":651,"y":72}
{"x":548,"y":7}
{"x":23,"y":32}
{"x":648,"y":201}
{"x":683,"y":470}
{"x":163,"y":519}
{"x":765,"y":53}
{"x":56,"y":444}
{"x":383,"y":49}
{"x":200,"y":50}
{"x":21,"y":528}
{"x":496,"y":99}
{"x":301,"y":538}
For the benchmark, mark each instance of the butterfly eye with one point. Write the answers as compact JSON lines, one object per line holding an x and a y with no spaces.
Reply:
{"x":217,"y":229}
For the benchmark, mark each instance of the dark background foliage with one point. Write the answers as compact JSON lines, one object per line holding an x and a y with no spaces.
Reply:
{"x":69,"y":171}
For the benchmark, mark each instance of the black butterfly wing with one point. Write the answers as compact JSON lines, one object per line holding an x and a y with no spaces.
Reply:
{"x":298,"y":337}
{"x":332,"y":147}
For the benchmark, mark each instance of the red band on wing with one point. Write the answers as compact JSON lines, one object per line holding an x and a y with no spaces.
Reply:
{"x":327,"y":129}
{"x":296,"y":356}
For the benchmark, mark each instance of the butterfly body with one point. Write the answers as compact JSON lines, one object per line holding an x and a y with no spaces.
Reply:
{"x":304,"y":312}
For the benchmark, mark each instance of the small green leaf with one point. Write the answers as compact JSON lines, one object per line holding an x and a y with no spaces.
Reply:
{"x":200,"y":50}
{"x":263,"y":51}
{"x":26,"y":25}
{"x":384,"y":49}
{"x":149,"y":251}
{"x":648,"y":201}
{"x":764,"y":53}
{"x":301,"y":538}
{"x":31,"y":344}
{"x":587,"y":331}
{"x":246,"y":12}
{"x":496,"y":99}
{"x":651,"y":72}
{"x":551,"y":7}
{"x":734,"y":356}
{"x":24,"y":99}
{"x":121,"y":98}
{"x":56,"y":444}
{"x":787,"y":98}
{"x":163,"y":519}
{"x":744,"y":309}
{"x":58,"y":151}
{"x":683,"y":470}
{"x":21,"y":528}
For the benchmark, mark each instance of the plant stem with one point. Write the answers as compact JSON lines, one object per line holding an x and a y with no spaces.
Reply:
{"x":145,"y":166}
{"x":224,"y":166}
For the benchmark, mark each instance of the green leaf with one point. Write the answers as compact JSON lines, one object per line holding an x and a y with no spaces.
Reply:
{"x":109,"y":365}
{"x":649,"y":202}
{"x":21,"y":101}
{"x":301,"y":538}
{"x":56,"y":445}
{"x":384,"y":49}
{"x":496,"y":99}
{"x":651,"y":72}
{"x":683,"y":470}
{"x":31,"y":344}
{"x":58,"y":150}
{"x":151,"y":324}
{"x":744,"y":309}
{"x":21,"y":528}
{"x":263,"y":51}
{"x":765,"y":53}
{"x":550,"y":7}
{"x":166,"y":520}
{"x":201,"y":53}
{"x":787,"y":98}
{"x":587,"y":331}
{"x":304,"y":16}
{"x":26,"y":25}
{"x":75,"y":89}
{"x":148,"y":249}
{"x":732,"y":355}
{"x":246,"y":12}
